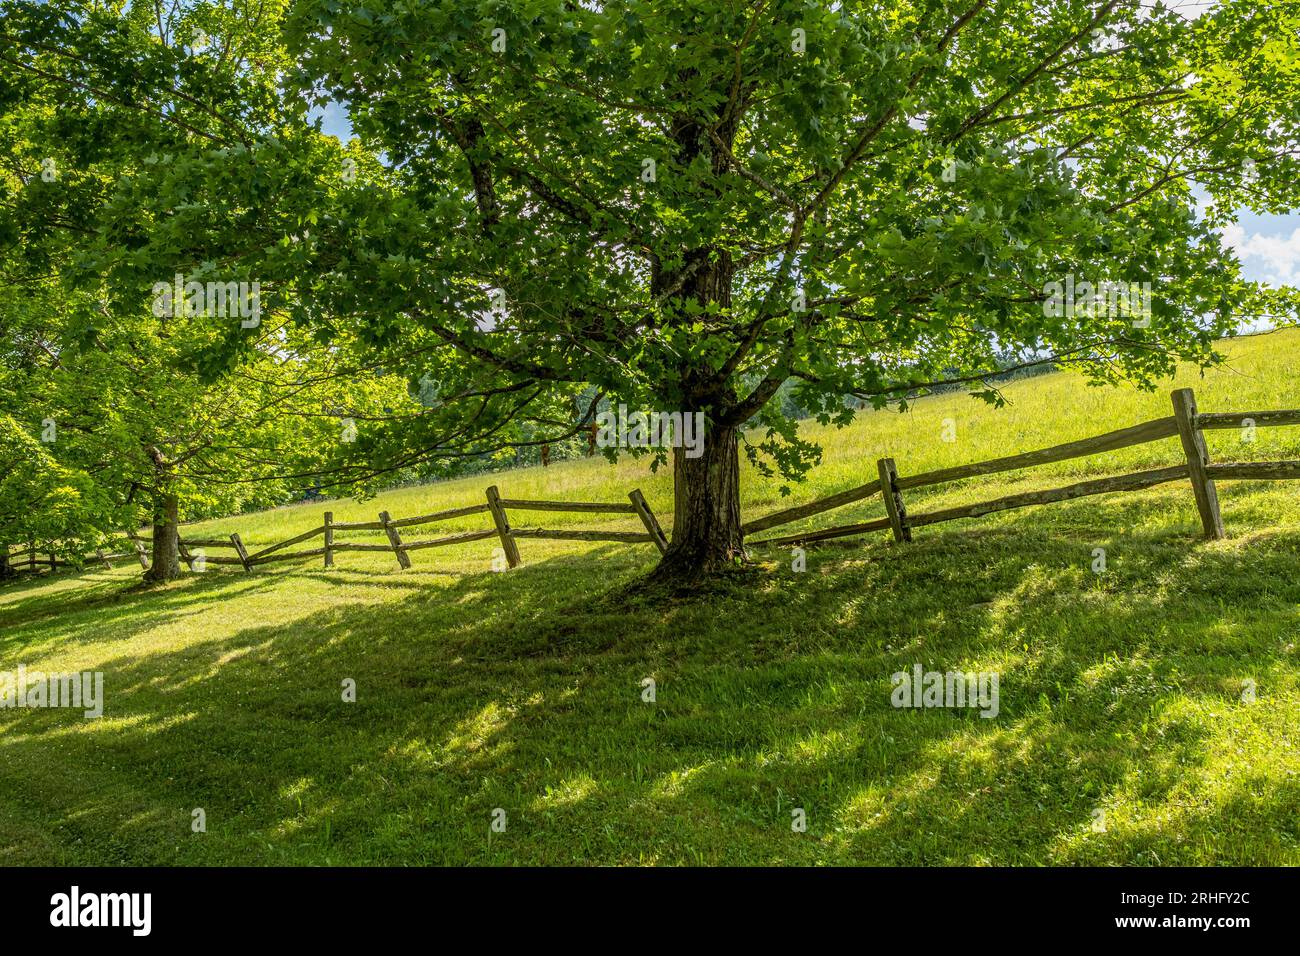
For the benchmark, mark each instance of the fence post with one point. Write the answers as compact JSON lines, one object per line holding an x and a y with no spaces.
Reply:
{"x":648,"y":519}
{"x":99,"y":553}
{"x":503,"y":527}
{"x":184,"y":553}
{"x":1198,"y":456}
{"x":395,"y":540}
{"x":329,"y":539}
{"x":241,"y":551}
{"x":894,"y":506}
{"x":139,"y":553}
{"x":31,"y":555}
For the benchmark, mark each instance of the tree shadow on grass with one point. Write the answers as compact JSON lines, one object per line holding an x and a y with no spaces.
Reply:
{"x":1120,"y":693}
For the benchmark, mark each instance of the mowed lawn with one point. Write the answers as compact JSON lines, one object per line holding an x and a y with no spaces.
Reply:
{"x":1148,"y":714}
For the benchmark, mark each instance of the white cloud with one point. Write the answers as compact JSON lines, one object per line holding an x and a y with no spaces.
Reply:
{"x":1191,"y":9}
{"x":1272,"y":259}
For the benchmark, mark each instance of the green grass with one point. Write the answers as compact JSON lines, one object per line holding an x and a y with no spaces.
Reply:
{"x":1120,"y":692}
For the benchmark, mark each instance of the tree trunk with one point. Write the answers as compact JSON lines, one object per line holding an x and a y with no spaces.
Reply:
{"x":5,"y":570}
{"x":706,"y":490}
{"x":166,"y":559}
{"x":706,"y":512}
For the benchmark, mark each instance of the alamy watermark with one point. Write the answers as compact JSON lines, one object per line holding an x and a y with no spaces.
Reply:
{"x":1098,"y":300}
{"x":36,"y":689}
{"x":946,"y":689}
{"x":75,"y":908}
{"x":224,"y":300}
{"x":651,"y":430}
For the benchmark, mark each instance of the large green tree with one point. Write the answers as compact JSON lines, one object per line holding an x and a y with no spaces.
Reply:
{"x":685,"y":204}
{"x":688,"y":203}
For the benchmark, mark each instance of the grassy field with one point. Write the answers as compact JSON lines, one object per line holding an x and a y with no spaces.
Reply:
{"x":1123,"y":734}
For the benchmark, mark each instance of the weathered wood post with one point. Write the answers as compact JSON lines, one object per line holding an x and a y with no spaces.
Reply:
{"x":395,"y":540}
{"x":184,"y":552}
{"x":894,"y":506}
{"x":241,"y":551}
{"x":329,"y":539}
{"x":99,"y":553}
{"x":31,"y":555}
{"x":648,"y":519}
{"x":1198,"y":456}
{"x":503,"y":527}
{"x":140,"y":553}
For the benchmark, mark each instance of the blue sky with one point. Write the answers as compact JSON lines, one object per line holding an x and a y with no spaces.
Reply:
{"x":334,"y":120}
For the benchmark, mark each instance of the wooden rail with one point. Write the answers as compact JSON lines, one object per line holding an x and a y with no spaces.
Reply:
{"x":439,"y":516}
{"x":1186,"y":423}
{"x":1099,"y":486}
{"x":494,"y":505}
{"x":1110,"y":441}
{"x":612,"y":507}
{"x":808,"y":510}
{"x":631,"y":537}
{"x":1268,"y":470}
{"x":1245,"y":419}
{"x":840,"y":531}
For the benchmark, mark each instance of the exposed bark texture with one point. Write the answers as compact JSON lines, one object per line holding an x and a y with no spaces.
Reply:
{"x":166,"y":559}
{"x":706,"y":512}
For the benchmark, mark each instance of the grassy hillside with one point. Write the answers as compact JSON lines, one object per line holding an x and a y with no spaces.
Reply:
{"x":1122,"y":736}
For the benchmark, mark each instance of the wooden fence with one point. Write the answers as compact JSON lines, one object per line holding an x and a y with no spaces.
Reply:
{"x":30,"y":558}
{"x":494,"y":505}
{"x":1185,"y":422}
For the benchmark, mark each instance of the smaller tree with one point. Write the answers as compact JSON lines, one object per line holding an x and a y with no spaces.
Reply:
{"x":132,"y":407}
{"x":149,"y":280}
{"x":41,"y":501}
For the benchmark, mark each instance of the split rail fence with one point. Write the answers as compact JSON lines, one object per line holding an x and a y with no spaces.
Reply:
{"x":494,"y":505}
{"x":1186,"y":422}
